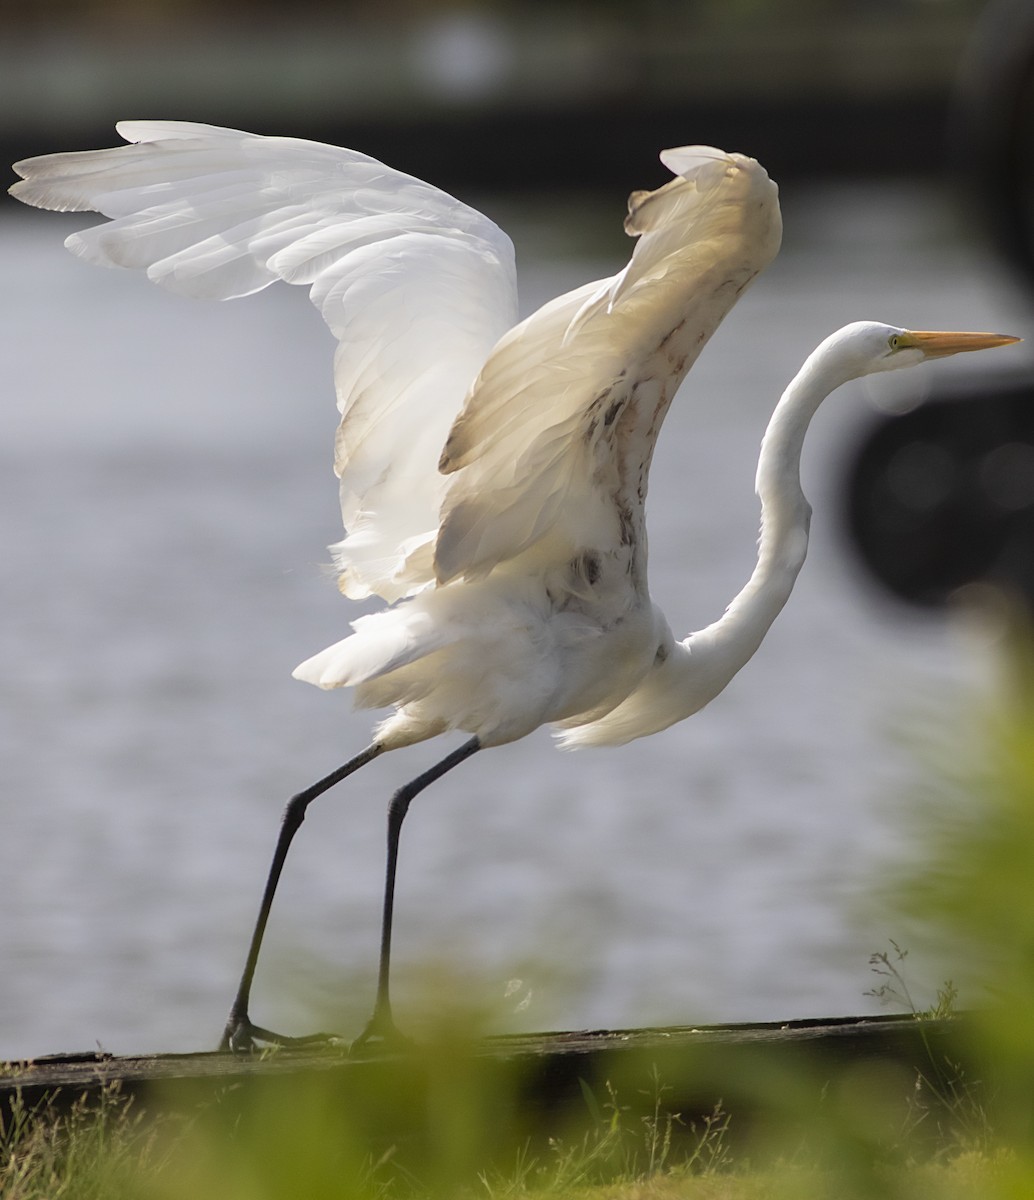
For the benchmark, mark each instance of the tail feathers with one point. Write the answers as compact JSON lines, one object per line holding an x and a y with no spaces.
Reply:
{"x":381,"y":643}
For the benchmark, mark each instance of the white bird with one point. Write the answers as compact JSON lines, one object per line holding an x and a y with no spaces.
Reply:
{"x":493,"y":474}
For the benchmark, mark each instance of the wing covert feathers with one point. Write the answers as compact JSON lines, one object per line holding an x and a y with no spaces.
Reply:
{"x":557,"y":433}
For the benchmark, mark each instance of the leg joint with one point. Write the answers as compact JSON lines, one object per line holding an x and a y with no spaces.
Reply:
{"x":399,"y":806}
{"x":294,"y":813}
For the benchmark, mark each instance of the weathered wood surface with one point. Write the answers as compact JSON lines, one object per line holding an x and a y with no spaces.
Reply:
{"x":543,"y":1074}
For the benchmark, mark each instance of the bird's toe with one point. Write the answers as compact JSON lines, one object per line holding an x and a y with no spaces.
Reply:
{"x":381,"y":1034}
{"x":243,"y":1036}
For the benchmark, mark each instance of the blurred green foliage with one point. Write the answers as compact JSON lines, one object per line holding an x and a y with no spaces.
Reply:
{"x":970,"y":894}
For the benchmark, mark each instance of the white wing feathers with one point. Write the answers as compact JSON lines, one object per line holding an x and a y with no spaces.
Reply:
{"x":571,"y":400}
{"x":420,"y":291}
{"x":416,"y":286}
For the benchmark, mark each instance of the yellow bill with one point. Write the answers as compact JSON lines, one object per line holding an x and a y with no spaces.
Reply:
{"x":939,"y":344}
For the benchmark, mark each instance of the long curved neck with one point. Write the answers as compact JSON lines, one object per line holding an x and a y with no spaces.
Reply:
{"x":785,"y":518}
{"x":693,"y":671}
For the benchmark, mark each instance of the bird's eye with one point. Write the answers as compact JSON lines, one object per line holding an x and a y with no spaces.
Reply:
{"x":895,"y":341}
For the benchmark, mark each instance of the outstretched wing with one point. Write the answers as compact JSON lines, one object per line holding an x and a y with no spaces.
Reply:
{"x":553,"y":446}
{"x":416,"y":286}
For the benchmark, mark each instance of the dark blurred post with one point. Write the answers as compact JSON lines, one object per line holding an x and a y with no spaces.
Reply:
{"x":943,"y":496}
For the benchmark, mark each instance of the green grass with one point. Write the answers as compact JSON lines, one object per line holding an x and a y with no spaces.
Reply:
{"x":94,"y":1152}
{"x":112,"y":1154}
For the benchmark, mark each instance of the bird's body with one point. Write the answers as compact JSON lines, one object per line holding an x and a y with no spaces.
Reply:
{"x":543,"y":516}
{"x":493,"y":474}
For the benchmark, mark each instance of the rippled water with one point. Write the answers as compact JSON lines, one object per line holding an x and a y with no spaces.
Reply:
{"x":167,"y":497}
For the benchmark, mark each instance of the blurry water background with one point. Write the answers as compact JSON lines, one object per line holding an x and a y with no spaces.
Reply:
{"x":167,"y":497}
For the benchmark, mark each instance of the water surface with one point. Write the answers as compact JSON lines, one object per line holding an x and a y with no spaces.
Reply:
{"x":167,"y":497}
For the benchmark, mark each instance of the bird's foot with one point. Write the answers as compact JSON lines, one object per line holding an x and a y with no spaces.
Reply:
{"x":243,"y":1036}
{"x":382,"y":1034}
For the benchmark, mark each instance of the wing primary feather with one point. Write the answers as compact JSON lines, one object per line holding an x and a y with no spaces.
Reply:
{"x":406,"y":277}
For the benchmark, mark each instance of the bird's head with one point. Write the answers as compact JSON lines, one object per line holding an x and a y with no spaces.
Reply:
{"x":871,"y":346}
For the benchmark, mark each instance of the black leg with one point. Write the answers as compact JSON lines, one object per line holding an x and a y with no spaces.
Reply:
{"x":240,"y":1033}
{"x":381,"y":1026}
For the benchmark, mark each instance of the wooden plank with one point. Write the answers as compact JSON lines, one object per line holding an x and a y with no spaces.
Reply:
{"x":543,"y":1076}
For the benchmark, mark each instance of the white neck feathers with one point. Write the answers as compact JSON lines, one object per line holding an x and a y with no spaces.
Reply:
{"x":785,"y":516}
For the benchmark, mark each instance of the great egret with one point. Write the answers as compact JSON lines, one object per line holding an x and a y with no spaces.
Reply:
{"x":493,"y":474}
